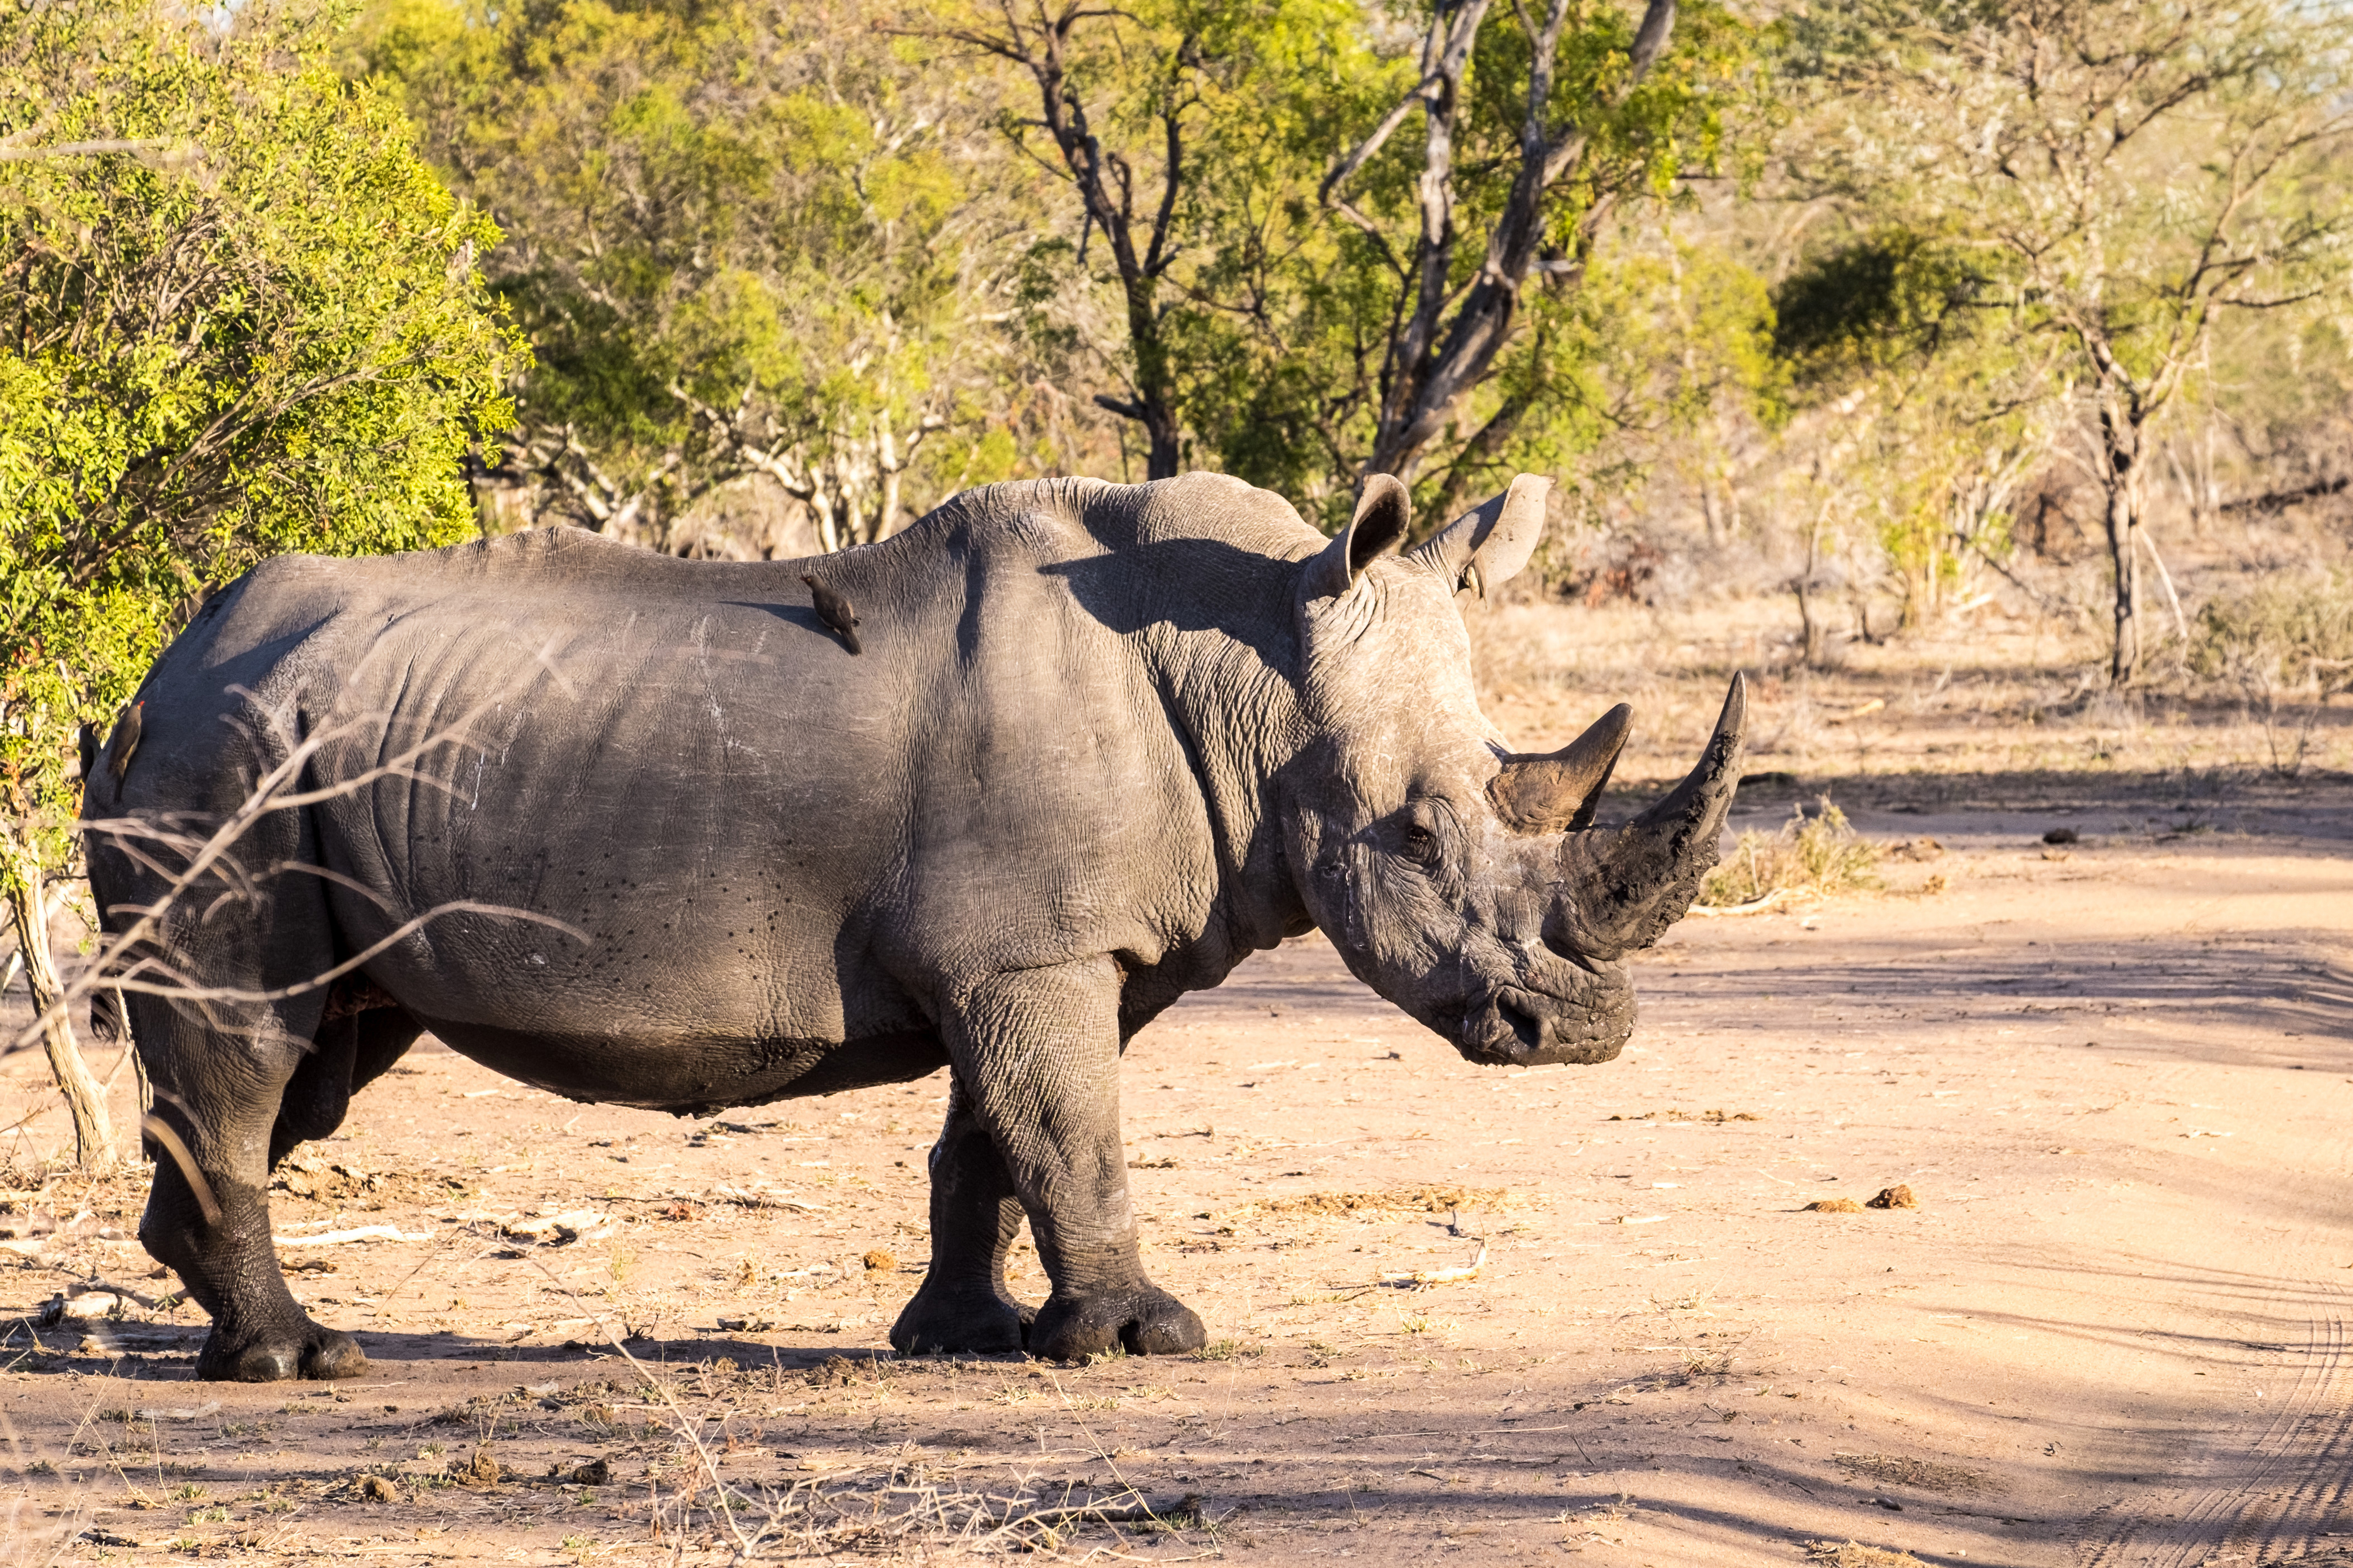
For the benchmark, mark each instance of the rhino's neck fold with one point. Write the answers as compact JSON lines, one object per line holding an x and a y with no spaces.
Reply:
{"x":1238,"y":719}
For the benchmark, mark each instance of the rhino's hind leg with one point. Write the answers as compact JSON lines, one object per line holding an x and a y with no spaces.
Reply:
{"x":220,"y":1084}
{"x":962,"y":1307}
{"x":224,"y":1256}
{"x":1038,"y":1050}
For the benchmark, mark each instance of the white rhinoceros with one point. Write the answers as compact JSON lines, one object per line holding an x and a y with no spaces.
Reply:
{"x":1103,"y":742}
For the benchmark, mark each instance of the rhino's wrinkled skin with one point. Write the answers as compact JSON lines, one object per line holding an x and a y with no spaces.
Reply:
{"x":1102,"y":743}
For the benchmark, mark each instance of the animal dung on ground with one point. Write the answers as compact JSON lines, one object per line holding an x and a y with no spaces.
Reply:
{"x":880,"y":1262}
{"x":2060,"y":835}
{"x":1833,"y":1206}
{"x":1895,"y":1198}
{"x":377,"y":1489}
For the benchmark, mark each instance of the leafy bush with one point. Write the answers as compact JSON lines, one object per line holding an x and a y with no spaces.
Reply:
{"x":244,"y":318}
{"x":2287,"y":642}
{"x":1817,"y":854}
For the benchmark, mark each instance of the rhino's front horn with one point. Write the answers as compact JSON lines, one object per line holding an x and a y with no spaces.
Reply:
{"x":1622,"y":889}
{"x":1559,"y":791}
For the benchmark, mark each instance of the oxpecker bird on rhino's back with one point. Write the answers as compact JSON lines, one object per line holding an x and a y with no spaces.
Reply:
{"x":834,"y":609}
{"x":650,"y":843}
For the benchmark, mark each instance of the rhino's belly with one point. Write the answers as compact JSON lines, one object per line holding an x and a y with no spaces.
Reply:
{"x":689,"y":1075}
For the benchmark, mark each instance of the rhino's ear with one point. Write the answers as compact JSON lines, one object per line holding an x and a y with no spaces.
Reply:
{"x":1383,"y":513}
{"x":1490,"y":544}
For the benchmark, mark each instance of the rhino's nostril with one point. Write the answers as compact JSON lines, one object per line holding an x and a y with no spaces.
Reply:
{"x":1525,"y":1027}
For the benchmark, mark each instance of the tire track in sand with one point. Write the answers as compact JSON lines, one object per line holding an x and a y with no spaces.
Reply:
{"x":2289,"y":1492}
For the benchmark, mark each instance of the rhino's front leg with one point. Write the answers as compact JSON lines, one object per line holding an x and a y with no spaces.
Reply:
{"x":963,"y":1304}
{"x":1038,"y":1053}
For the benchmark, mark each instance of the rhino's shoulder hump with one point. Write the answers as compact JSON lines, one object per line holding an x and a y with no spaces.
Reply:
{"x":1065,"y":517}
{"x":1202,"y":505}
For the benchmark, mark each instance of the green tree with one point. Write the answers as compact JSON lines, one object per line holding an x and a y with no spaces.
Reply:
{"x":1191,"y":132}
{"x":2128,"y":170}
{"x":1537,"y":129}
{"x":237,"y":316}
{"x":745,"y":239}
{"x":1302,"y":296}
{"x":1927,"y":399}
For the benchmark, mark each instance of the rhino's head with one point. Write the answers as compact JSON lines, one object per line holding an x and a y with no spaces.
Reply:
{"x":1457,"y":878}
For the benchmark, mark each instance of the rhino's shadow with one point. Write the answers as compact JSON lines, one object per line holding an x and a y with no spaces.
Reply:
{"x":166,"y":1353}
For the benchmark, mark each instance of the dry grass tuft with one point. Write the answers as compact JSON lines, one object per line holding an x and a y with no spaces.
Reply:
{"x":835,"y":1371}
{"x":1922,"y":1475}
{"x":1817,"y":855}
{"x":1853,"y":1555}
{"x":1440,"y":1199}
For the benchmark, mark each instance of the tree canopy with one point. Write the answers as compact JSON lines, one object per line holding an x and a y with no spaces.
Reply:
{"x":242,"y":316}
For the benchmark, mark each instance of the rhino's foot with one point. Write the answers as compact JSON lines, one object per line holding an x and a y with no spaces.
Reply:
{"x":1146,"y":1321}
{"x":949,"y":1321}
{"x":306,"y":1350}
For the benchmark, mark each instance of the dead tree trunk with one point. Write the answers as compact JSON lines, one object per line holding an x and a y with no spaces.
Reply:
{"x":2120,"y":478}
{"x":1447,"y":334}
{"x":21,"y":884}
{"x":1139,"y":233}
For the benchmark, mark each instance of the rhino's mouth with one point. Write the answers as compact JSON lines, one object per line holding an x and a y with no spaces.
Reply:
{"x":1518,"y":1028}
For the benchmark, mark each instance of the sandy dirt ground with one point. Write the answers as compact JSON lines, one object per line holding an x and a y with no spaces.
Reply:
{"x":2116,"y":1075}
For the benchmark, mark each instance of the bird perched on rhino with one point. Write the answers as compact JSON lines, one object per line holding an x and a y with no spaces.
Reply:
{"x":121,"y":744}
{"x":834,"y":610}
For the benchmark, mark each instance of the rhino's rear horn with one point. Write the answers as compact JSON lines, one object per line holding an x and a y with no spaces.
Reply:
{"x":1625,"y":888}
{"x":1559,"y":791}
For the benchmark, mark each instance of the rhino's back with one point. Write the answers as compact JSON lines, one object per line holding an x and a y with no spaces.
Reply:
{"x":756,"y":834}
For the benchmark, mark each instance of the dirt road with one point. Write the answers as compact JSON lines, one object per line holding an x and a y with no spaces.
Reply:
{"x":2115,"y":1074}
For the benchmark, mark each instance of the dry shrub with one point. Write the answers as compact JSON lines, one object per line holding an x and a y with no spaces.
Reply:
{"x":1817,"y":854}
{"x":2287,"y":642}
